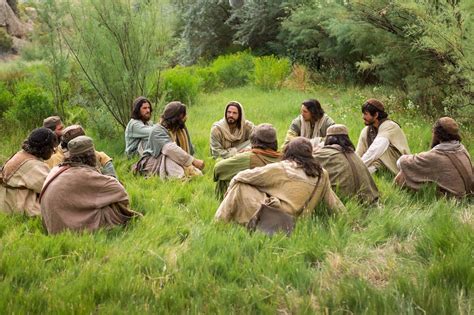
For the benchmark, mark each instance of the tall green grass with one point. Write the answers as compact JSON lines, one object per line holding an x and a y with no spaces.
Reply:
{"x":412,"y":254}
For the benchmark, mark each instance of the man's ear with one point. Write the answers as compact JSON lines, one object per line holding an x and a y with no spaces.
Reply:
{"x":376,"y":115}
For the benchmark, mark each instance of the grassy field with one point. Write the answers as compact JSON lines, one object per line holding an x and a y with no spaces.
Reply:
{"x":413,"y":254}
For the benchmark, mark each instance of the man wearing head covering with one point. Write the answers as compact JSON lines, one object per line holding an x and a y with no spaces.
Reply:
{"x":312,"y":123}
{"x":104,"y":162}
{"x":287,"y":185}
{"x":348,"y":174}
{"x":169,"y":151}
{"x":263,"y":140}
{"x":75,"y":196}
{"x":139,"y":127}
{"x":24,"y":173}
{"x":448,"y":164}
{"x":382,"y":141}
{"x":54,"y":124}
{"x":232,"y":133}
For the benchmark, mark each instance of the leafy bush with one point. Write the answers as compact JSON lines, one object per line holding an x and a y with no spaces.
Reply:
{"x":6,"y":41}
{"x":233,"y":70}
{"x":30,"y":106}
{"x":180,"y":84}
{"x":208,"y":77}
{"x":270,"y":72}
{"x":6,"y":99}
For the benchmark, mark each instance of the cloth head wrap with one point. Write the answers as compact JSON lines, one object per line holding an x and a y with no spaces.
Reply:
{"x":80,"y":145}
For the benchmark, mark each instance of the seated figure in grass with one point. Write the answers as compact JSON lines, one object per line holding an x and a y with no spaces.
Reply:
{"x":382,"y":141}
{"x":263,"y":140}
{"x":104,"y":162}
{"x":312,"y":123}
{"x":448,"y":164}
{"x":24,"y":173}
{"x":348,"y":174}
{"x":230,"y":134}
{"x":169,"y":151}
{"x":75,"y":196}
{"x":54,"y":124}
{"x":286,"y":185}
{"x":139,"y":127}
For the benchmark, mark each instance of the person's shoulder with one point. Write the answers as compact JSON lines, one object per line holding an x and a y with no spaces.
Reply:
{"x":390,"y":125}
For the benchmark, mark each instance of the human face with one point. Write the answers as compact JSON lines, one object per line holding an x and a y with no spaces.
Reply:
{"x":59,"y":130}
{"x":369,"y":119}
{"x":232,"y":115}
{"x":145,"y":111}
{"x":305,"y":113}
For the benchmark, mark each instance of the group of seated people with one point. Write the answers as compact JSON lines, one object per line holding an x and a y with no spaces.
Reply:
{"x":59,"y":175}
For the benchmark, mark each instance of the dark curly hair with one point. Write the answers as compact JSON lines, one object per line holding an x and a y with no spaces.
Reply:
{"x":314,"y":108}
{"x":137,"y":105}
{"x":300,"y":150}
{"x":40,"y":143}
{"x":441,"y":135}
{"x":87,"y":158}
{"x":372,"y":110}
{"x":343,"y":140}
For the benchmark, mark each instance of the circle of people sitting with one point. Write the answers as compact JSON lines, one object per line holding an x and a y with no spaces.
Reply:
{"x":60,"y":176}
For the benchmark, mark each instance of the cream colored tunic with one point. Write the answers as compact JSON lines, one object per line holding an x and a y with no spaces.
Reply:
{"x":281,"y":185}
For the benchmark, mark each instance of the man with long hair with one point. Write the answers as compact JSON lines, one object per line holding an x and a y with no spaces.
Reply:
{"x":55,"y":124}
{"x":139,"y":127}
{"x":448,"y":164}
{"x":312,"y":123}
{"x":75,"y":196}
{"x":24,"y":173}
{"x":382,"y":141}
{"x":230,"y":134}
{"x":286,"y":185}
{"x":263,"y":140}
{"x":169,"y":151}
{"x":348,"y":174}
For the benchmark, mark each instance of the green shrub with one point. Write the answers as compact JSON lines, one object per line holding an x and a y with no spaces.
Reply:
{"x":30,"y":106}
{"x":270,"y":72}
{"x":6,"y":41}
{"x":208,"y":78}
{"x":233,"y":70}
{"x":180,"y":84}
{"x":6,"y":99}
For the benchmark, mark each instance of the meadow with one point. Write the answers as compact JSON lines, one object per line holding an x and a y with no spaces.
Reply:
{"x":411,"y":254}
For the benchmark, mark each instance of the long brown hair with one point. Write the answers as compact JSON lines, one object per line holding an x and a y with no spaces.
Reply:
{"x":300,"y":150}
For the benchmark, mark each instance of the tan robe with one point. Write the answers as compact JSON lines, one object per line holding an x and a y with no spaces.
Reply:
{"x":55,"y":159}
{"x":23,"y":177}
{"x":345,"y":180}
{"x":281,"y":185}
{"x":398,"y":145}
{"x":80,"y":198}
{"x":226,"y":143}
{"x":436,"y":167}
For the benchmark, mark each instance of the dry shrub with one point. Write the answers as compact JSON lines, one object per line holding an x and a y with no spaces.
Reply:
{"x":299,"y":79}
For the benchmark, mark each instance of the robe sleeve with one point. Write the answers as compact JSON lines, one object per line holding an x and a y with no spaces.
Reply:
{"x":217,"y":150}
{"x":228,"y":168}
{"x":139,"y":130}
{"x":175,"y":153}
{"x":362,"y":143}
{"x":376,"y":150}
{"x":36,"y":176}
{"x":330,"y":198}
{"x":293,"y":132}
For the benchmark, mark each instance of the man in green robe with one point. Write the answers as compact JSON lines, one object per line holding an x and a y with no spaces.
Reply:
{"x":348,"y":174}
{"x":263,"y":140}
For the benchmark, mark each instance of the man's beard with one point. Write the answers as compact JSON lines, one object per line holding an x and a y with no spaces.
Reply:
{"x":146,"y":119}
{"x":231,"y":121}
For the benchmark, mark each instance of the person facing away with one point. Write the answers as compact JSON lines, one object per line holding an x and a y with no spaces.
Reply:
{"x":312,"y":123}
{"x":76,"y":197}
{"x":264,"y":142}
{"x":231,"y":134}
{"x":286,"y":185}
{"x":139,"y":127}
{"x":382,"y":141}
{"x":24,"y":173}
{"x":104,"y":162}
{"x":348,"y":174}
{"x":54,"y":124}
{"x":169,"y":151}
{"x":448,"y":164}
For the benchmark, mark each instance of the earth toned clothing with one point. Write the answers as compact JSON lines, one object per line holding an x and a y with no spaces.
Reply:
{"x":348,"y":178}
{"x":56,"y":158}
{"x":21,"y":180}
{"x":398,"y":144}
{"x":435,"y":166}
{"x":226,"y":142}
{"x":283,"y":185}
{"x":301,"y":128}
{"x":225,"y":170}
{"x":80,"y":198}
{"x":136,"y":136}
{"x":168,"y":154}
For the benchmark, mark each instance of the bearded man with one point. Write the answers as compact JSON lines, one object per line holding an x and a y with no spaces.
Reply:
{"x":382,"y":141}
{"x":263,"y":140}
{"x":312,"y":123}
{"x":230,"y":134}
{"x":104,"y":162}
{"x":76,"y":197}
{"x":23,"y":175}
{"x":169,"y":151}
{"x":139,"y":127}
{"x":286,"y":185}
{"x":54,"y":124}
{"x":348,"y":174}
{"x":448,"y":164}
